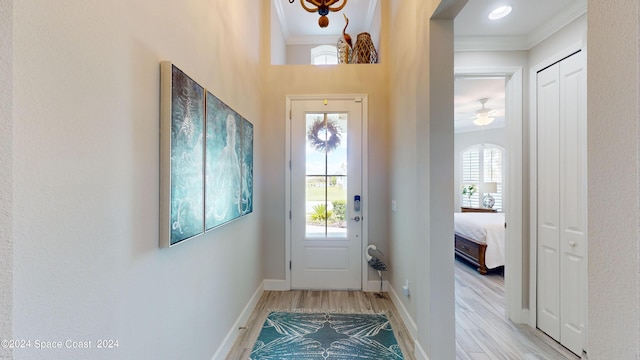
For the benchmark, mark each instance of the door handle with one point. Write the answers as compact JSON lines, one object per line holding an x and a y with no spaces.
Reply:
{"x":356,"y":219}
{"x":572,"y":243}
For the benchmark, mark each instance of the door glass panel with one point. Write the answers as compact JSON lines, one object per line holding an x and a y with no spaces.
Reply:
{"x":326,"y":175}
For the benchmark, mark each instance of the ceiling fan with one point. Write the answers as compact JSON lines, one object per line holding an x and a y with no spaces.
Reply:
{"x":482,"y":115}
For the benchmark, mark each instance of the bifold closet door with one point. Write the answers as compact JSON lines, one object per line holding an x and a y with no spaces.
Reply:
{"x":548,"y":136}
{"x":573,"y":201}
{"x":562,"y":206}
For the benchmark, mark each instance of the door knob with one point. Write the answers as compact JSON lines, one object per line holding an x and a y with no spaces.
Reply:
{"x":356,"y":219}
{"x":572,"y":243}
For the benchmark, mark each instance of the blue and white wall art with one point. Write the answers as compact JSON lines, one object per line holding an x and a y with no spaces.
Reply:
{"x":206,"y":163}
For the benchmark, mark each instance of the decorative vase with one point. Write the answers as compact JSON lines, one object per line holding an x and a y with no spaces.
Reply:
{"x":344,"y":51}
{"x":488,"y":201}
{"x":364,"y":52}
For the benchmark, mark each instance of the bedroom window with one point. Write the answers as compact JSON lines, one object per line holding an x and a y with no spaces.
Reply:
{"x":482,"y":164}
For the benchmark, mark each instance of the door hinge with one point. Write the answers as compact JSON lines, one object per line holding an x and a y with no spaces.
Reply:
{"x":289,"y":164}
{"x":289,"y":214}
{"x":289,"y":265}
{"x":290,"y":114}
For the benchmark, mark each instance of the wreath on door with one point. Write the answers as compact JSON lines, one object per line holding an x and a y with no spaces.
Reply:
{"x":327,"y":141}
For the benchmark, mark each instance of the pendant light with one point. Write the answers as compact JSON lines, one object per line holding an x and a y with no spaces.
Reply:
{"x":322,"y":7}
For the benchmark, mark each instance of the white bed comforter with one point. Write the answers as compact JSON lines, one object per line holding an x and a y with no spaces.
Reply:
{"x":485,"y":228}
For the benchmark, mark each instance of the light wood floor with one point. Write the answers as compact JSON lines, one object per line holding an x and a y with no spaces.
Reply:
{"x":482,"y":330}
{"x":319,"y":300}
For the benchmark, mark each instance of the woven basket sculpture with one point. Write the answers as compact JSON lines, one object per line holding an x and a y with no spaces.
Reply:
{"x":364,"y":52}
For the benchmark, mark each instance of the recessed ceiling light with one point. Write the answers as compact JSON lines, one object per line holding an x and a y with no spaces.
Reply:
{"x":500,"y":12}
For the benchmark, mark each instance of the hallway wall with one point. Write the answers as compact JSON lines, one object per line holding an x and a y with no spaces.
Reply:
{"x":86,"y":260}
{"x":6,"y":175}
{"x":613,"y":113}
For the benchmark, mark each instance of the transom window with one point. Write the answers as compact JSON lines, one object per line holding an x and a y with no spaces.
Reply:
{"x":324,"y":55}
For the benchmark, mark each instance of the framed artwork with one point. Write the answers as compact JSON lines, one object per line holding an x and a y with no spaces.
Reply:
{"x":182,"y":129}
{"x":223,"y":164}
{"x":206,"y":159}
{"x":247,"y":167}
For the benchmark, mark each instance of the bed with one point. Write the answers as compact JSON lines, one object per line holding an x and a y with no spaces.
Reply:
{"x":479,"y":238}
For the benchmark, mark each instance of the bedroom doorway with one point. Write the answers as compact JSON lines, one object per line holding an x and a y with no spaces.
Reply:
{"x":504,"y":85}
{"x":480,"y":144}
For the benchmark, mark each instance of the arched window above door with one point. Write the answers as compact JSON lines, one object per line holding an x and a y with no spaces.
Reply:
{"x":324,"y":55}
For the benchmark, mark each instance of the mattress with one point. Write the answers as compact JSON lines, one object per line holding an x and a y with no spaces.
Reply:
{"x":485,"y":228}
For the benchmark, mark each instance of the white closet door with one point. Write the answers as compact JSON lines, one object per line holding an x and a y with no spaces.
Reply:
{"x":548,"y":291}
{"x":562,"y":202}
{"x":573,"y":201}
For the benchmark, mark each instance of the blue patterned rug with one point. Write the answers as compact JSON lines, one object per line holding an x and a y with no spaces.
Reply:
{"x":326,"y":336}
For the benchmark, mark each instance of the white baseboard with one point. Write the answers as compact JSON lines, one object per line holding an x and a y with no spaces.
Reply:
{"x":232,"y":335}
{"x":276,"y":285}
{"x":419,"y":352}
{"x":524,"y":317}
{"x":409,"y":323}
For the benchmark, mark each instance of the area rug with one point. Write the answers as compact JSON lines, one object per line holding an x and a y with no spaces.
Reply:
{"x":326,"y":336}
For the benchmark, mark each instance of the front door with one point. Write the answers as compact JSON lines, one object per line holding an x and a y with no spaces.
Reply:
{"x":326,"y":193}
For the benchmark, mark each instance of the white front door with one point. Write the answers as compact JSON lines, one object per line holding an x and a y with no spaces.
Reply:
{"x":326,"y":193}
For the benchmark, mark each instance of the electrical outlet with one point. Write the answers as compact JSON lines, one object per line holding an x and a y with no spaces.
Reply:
{"x":405,"y":288}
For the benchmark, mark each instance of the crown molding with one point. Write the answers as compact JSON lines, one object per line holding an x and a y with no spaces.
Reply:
{"x":280,"y":14}
{"x":490,"y":43}
{"x":371,"y":11}
{"x":555,"y":24}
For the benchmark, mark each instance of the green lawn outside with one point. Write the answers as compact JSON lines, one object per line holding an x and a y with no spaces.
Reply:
{"x":333,"y":193}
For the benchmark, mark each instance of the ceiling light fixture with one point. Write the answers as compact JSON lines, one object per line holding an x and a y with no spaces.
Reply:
{"x":500,"y":12}
{"x":482,"y":115}
{"x":322,"y":7}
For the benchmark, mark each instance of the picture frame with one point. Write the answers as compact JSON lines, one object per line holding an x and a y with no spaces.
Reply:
{"x":206,"y":159}
{"x":182,"y":126}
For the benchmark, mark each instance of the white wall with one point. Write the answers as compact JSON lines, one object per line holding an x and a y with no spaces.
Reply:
{"x":278,"y":46}
{"x":6,"y":175}
{"x":421,"y":172}
{"x":301,"y":54}
{"x":85,"y":163}
{"x":403,"y":175}
{"x":613,"y":140}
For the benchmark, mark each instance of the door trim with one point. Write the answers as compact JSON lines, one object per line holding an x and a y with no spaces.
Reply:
{"x":514,"y":285}
{"x":365,"y":178}
{"x":533,"y":186}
